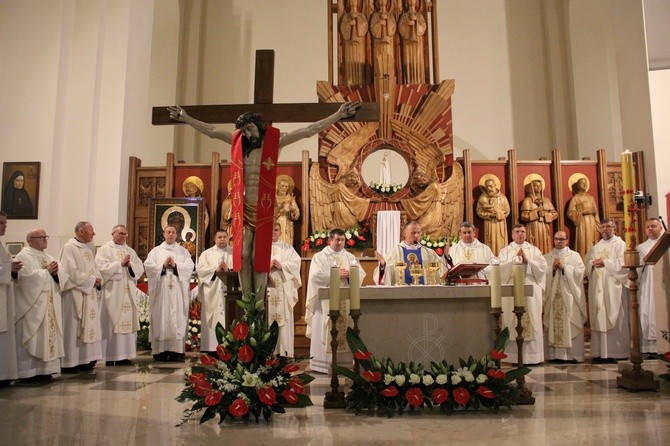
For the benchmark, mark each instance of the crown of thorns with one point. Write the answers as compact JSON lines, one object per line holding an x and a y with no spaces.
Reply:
{"x":248,"y":117}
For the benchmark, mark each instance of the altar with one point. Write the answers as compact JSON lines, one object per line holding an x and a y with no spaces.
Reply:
{"x":427,"y":323}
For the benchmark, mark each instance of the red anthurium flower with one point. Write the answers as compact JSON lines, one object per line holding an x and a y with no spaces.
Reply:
{"x":246,"y":354}
{"x":290,"y":368}
{"x":362,"y":355}
{"x":373,"y":377}
{"x":485,"y":392}
{"x":461,"y":396}
{"x":296,"y":385}
{"x":223,"y":354}
{"x":440,"y":395}
{"x":390,"y":391}
{"x":290,"y":396}
{"x":196,"y":377}
{"x":202,"y":388}
{"x":351,"y":242}
{"x":207,"y":360}
{"x":496,"y":373}
{"x":267,"y":395}
{"x":272,"y":362}
{"x":666,"y":356}
{"x":414,"y":396}
{"x":361,"y":238}
{"x":318,"y":242}
{"x":213,"y":398}
{"x":238,"y":408}
{"x":240,"y":331}
{"x":439,"y":251}
{"x":497,"y":355}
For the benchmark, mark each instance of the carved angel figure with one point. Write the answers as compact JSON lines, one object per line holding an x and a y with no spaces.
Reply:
{"x":336,"y":205}
{"x":438,"y":207}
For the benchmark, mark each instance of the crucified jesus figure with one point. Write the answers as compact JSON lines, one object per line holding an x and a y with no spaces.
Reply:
{"x":253,"y":172}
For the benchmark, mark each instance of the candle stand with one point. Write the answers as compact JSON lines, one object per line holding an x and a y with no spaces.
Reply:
{"x":496,"y":312}
{"x":635,"y":378}
{"x":525,"y":396}
{"x":334,"y":399}
{"x":355,"y":315}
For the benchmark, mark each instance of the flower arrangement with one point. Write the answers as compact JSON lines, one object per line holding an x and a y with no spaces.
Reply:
{"x":665,"y":357}
{"x":386,"y":388}
{"x":356,"y":238}
{"x":143,"y":314}
{"x":194,"y":321}
{"x":385,"y":189}
{"x":245,"y":378}
{"x":437,"y":245}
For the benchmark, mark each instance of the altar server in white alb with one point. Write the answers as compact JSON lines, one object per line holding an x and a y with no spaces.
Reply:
{"x":283,"y":283}
{"x":316,"y":311}
{"x":82,"y":333}
{"x":120,"y":268}
{"x":8,"y":273}
{"x":564,"y":303}
{"x":410,"y":251}
{"x":169,"y":268}
{"x":39,"y":312}
{"x":608,"y":296}
{"x":470,"y":250}
{"x":535,"y":267}
{"x":647,"y":299}
{"x":212,"y":290}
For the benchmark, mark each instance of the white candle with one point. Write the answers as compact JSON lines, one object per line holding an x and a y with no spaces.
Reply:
{"x":334,"y":292}
{"x":518,"y":279}
{"x":496,"y":300}
{"x":354,"y":288}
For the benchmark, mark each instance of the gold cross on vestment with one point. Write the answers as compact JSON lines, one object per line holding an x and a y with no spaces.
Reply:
{"x":268,"y":163}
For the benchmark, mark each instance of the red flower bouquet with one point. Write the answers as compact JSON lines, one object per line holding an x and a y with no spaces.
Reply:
{"x":246,"y":378}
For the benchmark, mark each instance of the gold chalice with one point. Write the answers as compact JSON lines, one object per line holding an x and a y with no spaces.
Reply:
{"x":431,"y":272}
{"x":400,"y":268}
{"x":416,"y":271}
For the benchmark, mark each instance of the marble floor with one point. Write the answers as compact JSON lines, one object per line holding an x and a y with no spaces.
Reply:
{"x":125,"y":405}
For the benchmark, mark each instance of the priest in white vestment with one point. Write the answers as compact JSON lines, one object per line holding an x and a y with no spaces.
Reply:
{"x":120,"y":268}
{"x":409,"y":251}
{"x":283,"y":284}
{"x":39,"y":313}
{"x":470,"y":250}
{"x":646,"y":297}
{"x":317,"y":310}
{"x":212,"y":290}
{"x":535,"y":268}
{"x":8,"y":273}
{"x":608,"y":296}
{"x":169,"y":267}
{"x":564,"y":303}
{"x":80,"y":295}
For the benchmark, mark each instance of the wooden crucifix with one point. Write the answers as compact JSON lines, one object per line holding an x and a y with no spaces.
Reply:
{"x":263,"y":104}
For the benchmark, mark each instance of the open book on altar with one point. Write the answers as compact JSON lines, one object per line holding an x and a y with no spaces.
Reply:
{"x":465,"y":271}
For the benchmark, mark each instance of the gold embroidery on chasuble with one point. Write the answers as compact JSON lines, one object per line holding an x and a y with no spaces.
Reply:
{"x":51,"y":329}
{"x":43,"y":262}
{"x":527,"y":325}
{"x":558,"y":319}
{"x":277,"y":317}
{"x":274,"y":300}
{"x":468,"y":254}
{"x":91,"y":335}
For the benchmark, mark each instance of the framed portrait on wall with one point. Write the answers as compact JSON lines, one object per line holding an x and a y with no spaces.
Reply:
{"x":20,"y":189}
{"x":187,"y":215}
